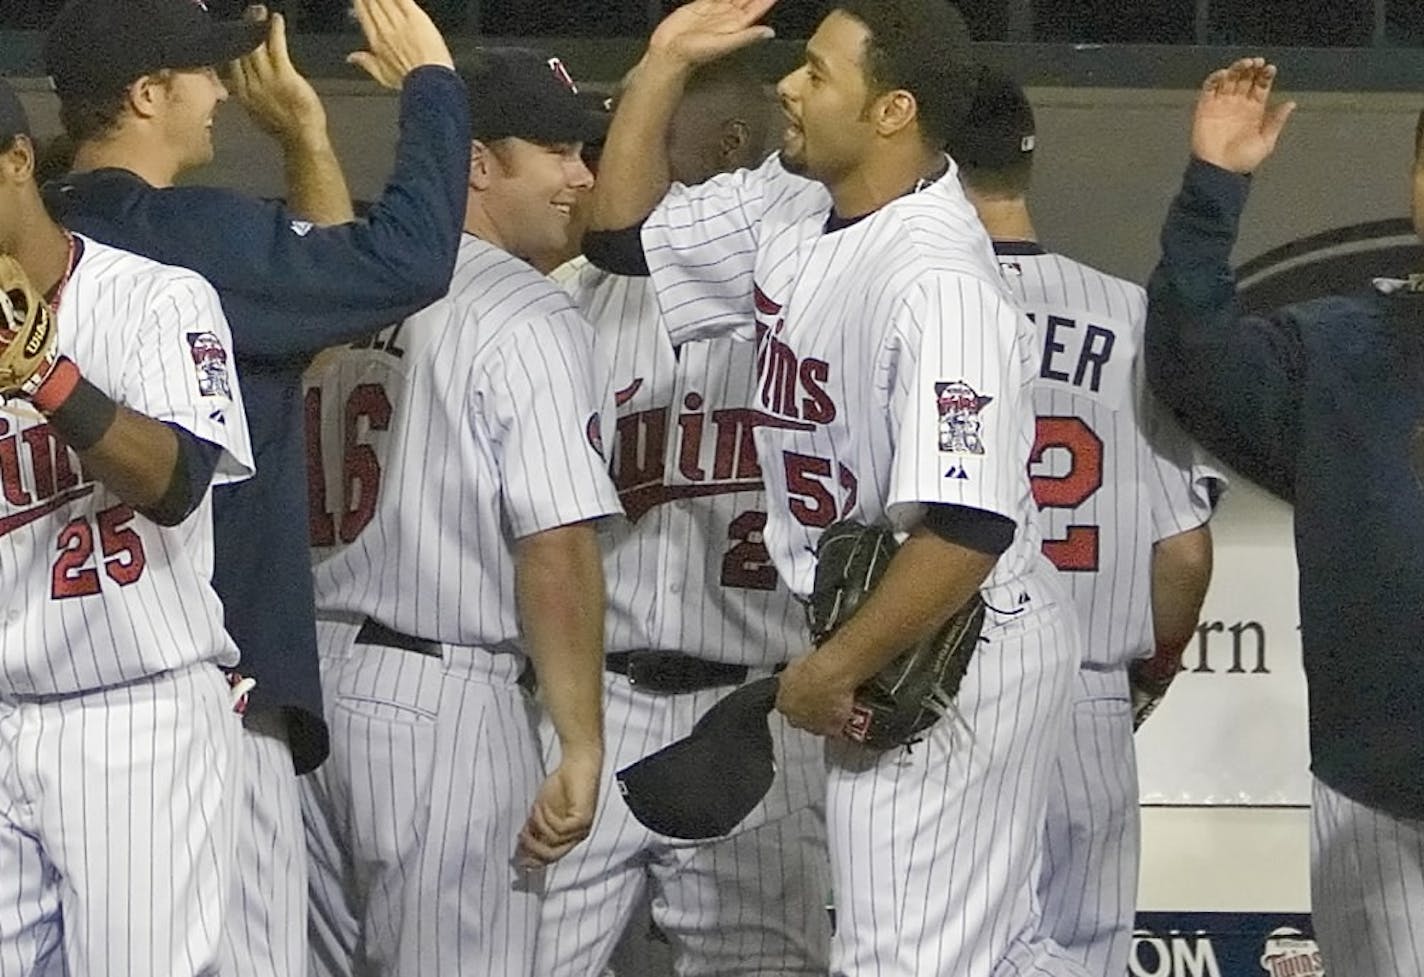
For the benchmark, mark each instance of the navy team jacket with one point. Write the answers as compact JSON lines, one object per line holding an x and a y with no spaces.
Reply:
{"x":1321,"y":403}
{"x":290,"y":290}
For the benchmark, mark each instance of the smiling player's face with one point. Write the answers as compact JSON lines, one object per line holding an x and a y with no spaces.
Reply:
{"x":532,"y":194}
{"x":826,"y":100}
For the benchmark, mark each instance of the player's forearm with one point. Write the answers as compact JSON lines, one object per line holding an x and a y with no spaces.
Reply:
{"x":633,"y":168}
{"x":559,"y":585}
{"x":928,"y":580}
{"x":316,"y":187}
{"x":1181,"y":573}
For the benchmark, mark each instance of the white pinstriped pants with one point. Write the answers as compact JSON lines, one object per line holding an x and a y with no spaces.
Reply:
{"x":935,"y":848}
{"x":751,"y":903}
{"x":1366,"y":888}
{"x":1092,"y":841}
{"x":413,"y":820}
{"x":265,"y":932}
{"x":117,"y":828}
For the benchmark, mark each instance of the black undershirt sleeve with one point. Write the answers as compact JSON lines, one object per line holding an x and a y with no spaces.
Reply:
{"x":193,"y":472}
{"x":618,"y":252}
{"x":976,"y":529}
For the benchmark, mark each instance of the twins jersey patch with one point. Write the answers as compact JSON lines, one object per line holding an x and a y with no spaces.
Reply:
{"x":210,"y":364}
{"x":594,"y":430}
{"x":959,"y":407}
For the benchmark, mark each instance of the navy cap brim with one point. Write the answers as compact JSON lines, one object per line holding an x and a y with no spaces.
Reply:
{"x":226,"y":41}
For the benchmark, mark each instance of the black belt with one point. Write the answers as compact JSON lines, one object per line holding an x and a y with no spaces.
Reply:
{"x":375,"y":633}
{"x":668,"y":671}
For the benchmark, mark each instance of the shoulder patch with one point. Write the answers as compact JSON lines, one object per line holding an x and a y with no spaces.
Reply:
{"x":593,"y":430}
{"x":959,"y":405}
{"x":209,"y":364}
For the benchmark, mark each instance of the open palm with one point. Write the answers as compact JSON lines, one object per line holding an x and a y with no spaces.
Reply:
{"x":1235,"y":127}
{"x":705,"y":30}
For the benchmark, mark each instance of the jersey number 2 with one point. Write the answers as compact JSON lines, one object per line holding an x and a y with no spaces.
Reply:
{"x":360,"y":468}
{"x":747,"y":564}
{"x":1076,"y":552}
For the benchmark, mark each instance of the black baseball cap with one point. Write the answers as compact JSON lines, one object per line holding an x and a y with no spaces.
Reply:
{"x":98,"y":46}
{"x":526,"y":94}
{"x":999,"y":129}
{"x":13,"y":120}
{"x":706,"y":783}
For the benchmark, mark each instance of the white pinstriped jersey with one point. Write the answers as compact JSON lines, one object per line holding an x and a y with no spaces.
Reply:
{"x":688,"y":571}
{"x":94,"y":594}
{"x":893,"y":368}
{"x":1112,"y":472}
{"x":447,"y":438}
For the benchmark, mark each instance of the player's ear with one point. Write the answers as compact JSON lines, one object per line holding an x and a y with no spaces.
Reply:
{"x":735,"y":146}
{"x":145,"y":94}
{"x":894,"y":111}
{"x":482,"y":163}
{"x":17,"y":161}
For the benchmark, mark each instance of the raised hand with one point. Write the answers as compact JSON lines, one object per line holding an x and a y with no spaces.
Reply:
{"x":1234,"y":127}
{"x":276,"y":96}
{"x":400,"y":37}
{"x":705,"y":30}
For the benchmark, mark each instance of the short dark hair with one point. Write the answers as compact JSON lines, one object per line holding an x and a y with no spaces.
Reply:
{"x":994,"y":145}
{"x":923,"y":47}
{"x":92,"y":115}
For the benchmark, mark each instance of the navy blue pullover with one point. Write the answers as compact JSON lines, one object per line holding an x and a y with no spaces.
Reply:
{"x":1318,"y":402}
{"x":290,"y":290}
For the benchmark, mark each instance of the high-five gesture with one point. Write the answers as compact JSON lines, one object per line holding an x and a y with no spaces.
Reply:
{"x":1234,"y":127}
{"x":276,"y":96}
{"x":705,"y":30}
{"x":400,"y":37}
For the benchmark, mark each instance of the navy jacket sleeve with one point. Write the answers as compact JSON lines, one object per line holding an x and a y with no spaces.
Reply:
{"x":1233,"y":381}
{"x":332,"y":284}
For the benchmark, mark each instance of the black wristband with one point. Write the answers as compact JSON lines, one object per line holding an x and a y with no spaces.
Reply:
{"x":84,"y":417}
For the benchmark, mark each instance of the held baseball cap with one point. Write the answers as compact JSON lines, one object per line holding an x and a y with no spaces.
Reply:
{"x":527,"y":94}
{"x":999,"y":130}
{"x":13,"y":120}
{"x":99,"y":46}
{"x":706,"y":783}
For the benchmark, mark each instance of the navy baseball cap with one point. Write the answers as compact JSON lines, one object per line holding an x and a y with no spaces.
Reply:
{"x":706,"y":783}
{"x":526,"y":94}
{"x":100,"y":46}
{"x":13,"y":120}
{"x":999,"y":129}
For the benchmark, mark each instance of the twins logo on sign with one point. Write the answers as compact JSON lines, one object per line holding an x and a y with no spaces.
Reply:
{"x":959,"y":408}
{"x":210,"y":362}
{"x":1289,"y":954}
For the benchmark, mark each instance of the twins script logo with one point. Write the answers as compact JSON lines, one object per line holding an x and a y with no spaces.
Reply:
{"x":959,"y":407}
{"x":1289,"y":954}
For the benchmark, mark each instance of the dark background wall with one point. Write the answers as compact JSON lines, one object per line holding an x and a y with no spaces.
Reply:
{"x":1109,"y":162}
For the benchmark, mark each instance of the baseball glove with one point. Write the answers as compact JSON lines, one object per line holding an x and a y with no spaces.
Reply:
{"x":914,"y":691}
{"x":27,"y":333}
{"x":1148,"y":684}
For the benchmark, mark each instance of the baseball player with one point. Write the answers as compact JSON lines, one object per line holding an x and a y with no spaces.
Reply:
{"x":119,"y":760}
{"x":893,"y":376}
{"x":694,"y":609}
{"x":1125,"y":510}
{"x":137,"y":94}
{"x":1320,"y":403}
{"x":473,"y":434}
